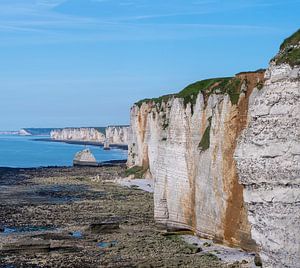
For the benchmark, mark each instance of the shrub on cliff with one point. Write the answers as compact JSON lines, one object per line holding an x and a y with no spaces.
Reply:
{"x":289,"y":51}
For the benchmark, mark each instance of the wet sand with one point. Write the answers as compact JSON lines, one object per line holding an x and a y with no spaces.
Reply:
{"x":79,"y":217}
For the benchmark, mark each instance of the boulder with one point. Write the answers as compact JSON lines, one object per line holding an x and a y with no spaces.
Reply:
{"x":85,"y":158}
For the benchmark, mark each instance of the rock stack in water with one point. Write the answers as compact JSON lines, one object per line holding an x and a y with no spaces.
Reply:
{"x":85,"y":158}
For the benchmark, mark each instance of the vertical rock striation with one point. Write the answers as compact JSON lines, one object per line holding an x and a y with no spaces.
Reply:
{"x":117,"y":134}
{"x":112,"y":134}
{"x":268,"y":158}
{"x":186,"y":142}
{"x":79,"y":134}
{"x":224,"y":155}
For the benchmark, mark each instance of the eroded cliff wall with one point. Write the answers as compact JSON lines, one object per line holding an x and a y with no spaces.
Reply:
{"x":268,"y":158}
{"x":113,"y":134}
{"x":225,"y":157}
{"x":117,"y":134}
{"x":78,"y":134}
{"x":186,"y":145}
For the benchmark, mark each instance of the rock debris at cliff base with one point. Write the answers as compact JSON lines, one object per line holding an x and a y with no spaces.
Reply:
{"x":47,"y":218}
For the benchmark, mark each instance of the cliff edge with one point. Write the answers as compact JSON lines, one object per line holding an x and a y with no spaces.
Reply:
{"x":186,"y":143}
{"x":268,"y":158}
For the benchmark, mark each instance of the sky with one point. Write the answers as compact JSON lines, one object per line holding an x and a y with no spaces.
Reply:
{"x":85,"y":62}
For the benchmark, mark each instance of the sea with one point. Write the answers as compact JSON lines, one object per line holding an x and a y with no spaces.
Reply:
{"x":26,"y":152}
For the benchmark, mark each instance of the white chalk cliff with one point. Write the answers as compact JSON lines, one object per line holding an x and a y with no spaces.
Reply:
{"x":244,"y":194}
{"x":112,"y":134}
{"x":268,"y":158}
{"x":78,"y":134}
{"x":117,"y":134}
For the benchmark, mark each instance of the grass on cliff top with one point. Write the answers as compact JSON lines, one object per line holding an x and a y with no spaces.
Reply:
{"x":158,"y":100}
{"x":293,"y":40}
{"x":225,"y":85}
{"x":288,"y":52}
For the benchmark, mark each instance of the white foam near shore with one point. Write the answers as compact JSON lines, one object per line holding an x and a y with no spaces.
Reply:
{"x":146,"y":185}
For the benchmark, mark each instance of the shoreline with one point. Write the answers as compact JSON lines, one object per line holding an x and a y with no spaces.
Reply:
{"x":93,"y":217}
{"x":109,"y":163}
{"x":92,"y":143}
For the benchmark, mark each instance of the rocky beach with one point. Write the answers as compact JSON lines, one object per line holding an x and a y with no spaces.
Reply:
{"x":150,"y":134}
{"x":81,"y":217}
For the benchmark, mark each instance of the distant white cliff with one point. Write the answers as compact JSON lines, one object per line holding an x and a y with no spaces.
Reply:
{"x":78,"y":134}
{"x":117,"y":134}
{"x":112,"y":134}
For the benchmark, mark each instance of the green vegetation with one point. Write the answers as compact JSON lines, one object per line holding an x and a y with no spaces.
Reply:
{"x":205,"y":141}
{"x":233,"y":90}
{"x":293,"y":40}
{"x":260,"y":85}
{"x":290,"y":50}
{"x":289,"y":53}
{"x":158,"y":100}
{"x":184,"y":246}
{"x":137,"y":171}
{"x":190,"y":93}
{"x":225,"y":85}
{"x":260,"y":70}
{"x":290,"y":56}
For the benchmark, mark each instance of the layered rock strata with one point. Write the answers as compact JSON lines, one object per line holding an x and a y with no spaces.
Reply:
{"x":79,"y":134}
{"x":117,"y":134}
{"x":112,"y":134}
{"x":186,"y":145}
{"x":268,"y":158}
{"x":225,"y":157}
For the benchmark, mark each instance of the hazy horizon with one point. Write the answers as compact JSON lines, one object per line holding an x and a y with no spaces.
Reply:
{"x":85,"y":62}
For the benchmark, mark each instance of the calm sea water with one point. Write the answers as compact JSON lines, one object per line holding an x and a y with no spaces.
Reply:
{"x":20,"y":151}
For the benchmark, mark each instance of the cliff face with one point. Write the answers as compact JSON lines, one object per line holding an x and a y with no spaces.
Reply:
{"x":187,"y":148}
{"x":78,"y":134}
{"x":113,"y":134}
{"x":225,"y":157}
{"x":117,"y":134}
{"x":268,"y":158}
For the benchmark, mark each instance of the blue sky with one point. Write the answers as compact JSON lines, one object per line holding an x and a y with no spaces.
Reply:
{"x":84,"y":62}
